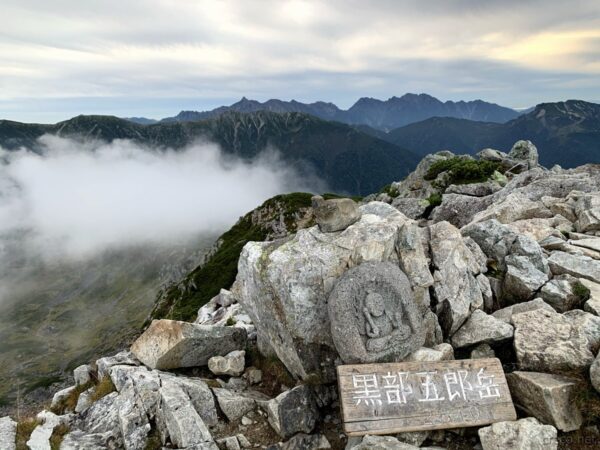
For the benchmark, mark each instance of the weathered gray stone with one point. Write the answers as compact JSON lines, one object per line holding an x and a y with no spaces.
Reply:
{"x":525,"y":151}
{"x":415,"y":185}
{"x":84,"y":401}
{"x":595,"y":373}
{"x":576,"y":265}
{"x":373,"y":315}
{"x":61,"y":396}
{"x":235,"y":405}
{"x":232,"y":364}
{"x":460,"y":209}
{"x":474,"y":189}
{"x":546,"y":341}
{"x":184,"y":425}
{"x":40,"y":437}
{"x":122,"y":358}
{"x":229,"y":443}
{"x":253,"y":375}
{"x":82,"y":374}
{"x":540,"y":229}
{"x":8,"y":433}
{"x":481,"y":351}
{"x":284,"y":285}
{"x":506,"y":314}
{"x":382,"y":443}
{"x":527,"y":269}
{"x":79,"y":440}
{"x":335,"y":214}
{"x":560,"y":293}
{"x":515,"y":206}
{"x":455,"y":269}
{"x":524,"y":434}
{"x":481,"y":328}
{"x":413,"y":208}
{"x":587,"y":210}
{"x":490,"y":154}
{"x":303,"y":442}
{"x":486,"y":291}
{"x":441,"y":352}
{"x":589,"y":325}
{"x":549,"y":398}
{"x":294,"y":411}
{"x":170,"y":344}
{"x":494,"y":239}
{"x":592,"y":305}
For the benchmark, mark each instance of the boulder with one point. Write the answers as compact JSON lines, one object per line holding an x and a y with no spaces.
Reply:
{"x":549,"y":398}
{"x":40,"y":437}
{"x":413,"y":208}
{"x":82,"y":374}
{"x":441,"y":352}
{"x":170,"y":344}
{"x":474,"y":189}
{"x":184,"y":425}
{"x":294,"y":411}
{"x":232,"y":364}
{"x":335,"y":214}
{"x":524,"y":434}
{"x":587,"y":210}
{"x":493,"y":238}
{"x":84,"y":401}
{"x":546,"y":341}
{"x":455,"y":268}
{"x":382,"y":443}
{"x":415,"y":185}
{"x":481,"y":328}
{"x":459,"y":209}
{"x":515,"y":206}
{"x":229,"y":443}
{"x":80,"y":440}
{"x":284,"y":285}
{"x":589,"y":325}
{"x":592,"y":305}
{"x":506,"y":314}
{"x":303,"y":442}
{"x":235,"y":405}
{"x":122,"y":358}
{"x":595,"y":373}
{"x":526,"y":269}
{"x":560,"y":293}
{"x":525,"y":151}
{"x":61,"y":396}
{"x":576,"y":265}
{"x":540,"y":229}
{"x":8,"y":433}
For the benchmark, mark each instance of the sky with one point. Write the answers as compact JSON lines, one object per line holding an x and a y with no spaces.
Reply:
{"x":154,"y":58}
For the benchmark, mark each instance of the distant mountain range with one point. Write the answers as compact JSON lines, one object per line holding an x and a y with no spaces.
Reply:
{"x":382,"y":115}
{"x":566,"y":133}
{"x":348,"y":160}
{"x":354,"y":159}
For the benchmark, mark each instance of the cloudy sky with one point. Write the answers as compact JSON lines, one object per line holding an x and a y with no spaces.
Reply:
{"x":153,"y":58}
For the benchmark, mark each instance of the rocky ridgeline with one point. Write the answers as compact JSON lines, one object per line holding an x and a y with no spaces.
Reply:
{"x":507,"y":266}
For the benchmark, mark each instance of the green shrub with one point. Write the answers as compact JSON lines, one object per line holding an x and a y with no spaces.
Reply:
{"x":463,"y":170}
{"x":434,"y":200}
{"x":389,"y":190}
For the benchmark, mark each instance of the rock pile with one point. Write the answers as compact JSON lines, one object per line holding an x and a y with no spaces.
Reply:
{"x":508,"y":265}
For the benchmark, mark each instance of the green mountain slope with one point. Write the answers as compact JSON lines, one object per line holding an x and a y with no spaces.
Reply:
{"x":347,"y":159}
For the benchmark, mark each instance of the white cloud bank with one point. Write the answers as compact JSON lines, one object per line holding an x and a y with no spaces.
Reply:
{"x":79,"y":198}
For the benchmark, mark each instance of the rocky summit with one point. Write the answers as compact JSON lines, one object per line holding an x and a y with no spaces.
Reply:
{"x":467,"y":257}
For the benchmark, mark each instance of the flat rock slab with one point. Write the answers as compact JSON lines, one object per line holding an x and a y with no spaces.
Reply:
{"x":170,"y":344}
{"x":549,"y":398}
{"x":8,"y":432}
{"x":524,"y":434}
{"x":576,"y":265}
{"x":546,"y":341}
{"x":481,"y":328}
{"x":416,"y":396}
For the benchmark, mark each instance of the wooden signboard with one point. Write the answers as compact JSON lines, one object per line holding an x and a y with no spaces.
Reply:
{"x":413,"y":396}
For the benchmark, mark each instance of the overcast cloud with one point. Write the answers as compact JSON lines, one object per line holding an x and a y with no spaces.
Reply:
{"x":155,"y":57}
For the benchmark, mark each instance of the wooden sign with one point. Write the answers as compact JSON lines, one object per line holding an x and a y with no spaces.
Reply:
{"x":414,"y":396}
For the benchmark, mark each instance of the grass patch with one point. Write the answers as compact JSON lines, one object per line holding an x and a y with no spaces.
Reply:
{"x":330,"y":196}
{"x":24,"y":429}
{"x":230,"y":322}
{"x":435,"y":200}
{"x":463,"y":170}
{"x":69,"y":403}
{"x":104,"y":387}
{"x":390,"y":190}
{"x":58,"y":435}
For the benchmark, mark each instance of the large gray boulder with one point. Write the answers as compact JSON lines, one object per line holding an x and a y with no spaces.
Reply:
{"x":8,"y":433}
{"x":592,"y":305}
{"x":595,"y":373}
{"x":284,"y":285}
{"x":459,"y":209}
{"x":587,"y":210}
{"x":550,"y":398}
{"x":481,"y":328}
{"x":104,"y":364}
{"x":546,"y":341}
{"x":237,"y":404}
{"x":576,"y":265}
{"x":494,"y":239}
{"x":561,"y":294}
{"x":526,"y":152}
{"x":515,"y":206}
{"x":456,"y":288}
{"x":294,"y":411}
{"x":335,"y":214}
{"x":506,"y":314}
{"x":413,"y":208}
{"x":589,"y":325}
{"x":171,"y":344}
{"x":524,"y":434}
